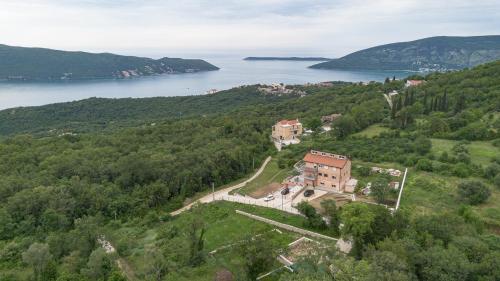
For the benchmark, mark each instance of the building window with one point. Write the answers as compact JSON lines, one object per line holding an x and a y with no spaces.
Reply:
{"x":334,"y":177}
{"x":322,"y":183}
{"x":320,"y":174}
{"x":295,"y":132}
{"x":326,"y":175}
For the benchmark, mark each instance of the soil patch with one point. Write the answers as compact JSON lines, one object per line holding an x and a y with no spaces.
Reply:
{"x":265,"y":190}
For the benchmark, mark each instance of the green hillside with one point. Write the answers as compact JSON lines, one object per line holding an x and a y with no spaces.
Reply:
{"x":435,"y":54}
{"x":28,"y":64}
{"x":60,"y":193}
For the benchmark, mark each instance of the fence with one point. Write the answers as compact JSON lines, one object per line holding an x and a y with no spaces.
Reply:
{"x":401,"y":190}
{"x":287,"y":226}
{"x":255,"y":202}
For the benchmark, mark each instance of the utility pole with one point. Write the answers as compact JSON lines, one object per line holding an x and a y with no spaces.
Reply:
{"x":213,"y":191}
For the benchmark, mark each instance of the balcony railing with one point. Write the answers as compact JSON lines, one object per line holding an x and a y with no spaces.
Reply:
{"x":310,"y":173}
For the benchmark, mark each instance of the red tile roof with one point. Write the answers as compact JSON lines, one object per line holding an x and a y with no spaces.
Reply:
{"x":289,"y":122}
{"x":325,"y":160}
{"x":415,"y":82}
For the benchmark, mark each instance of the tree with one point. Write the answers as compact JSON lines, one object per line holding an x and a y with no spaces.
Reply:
{"x":258,"y":255}
{"x":156,"y":266}
{"x":98,"y":266}
{"x":344,"y":126}
{"x":380,"y":189}
{"x":38,"y":257}
{"x":330,"y":209}
{"x":313,"y":218}
{"x":196,"y":232}
{"x":473,"y":192}
{"x":489,"y":267}
{"x":492,"y":170}
{"x":357,"y":219}
{"x":438,"y":263}
{"x":387,"y":266}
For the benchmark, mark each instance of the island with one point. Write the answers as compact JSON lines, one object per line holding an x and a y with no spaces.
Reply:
{"x":40,"y":64}
{"x":442,"y":53}
{"x":289,"y":58}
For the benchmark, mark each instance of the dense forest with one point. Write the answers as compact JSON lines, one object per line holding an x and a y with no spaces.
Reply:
{"x":59,"y":192}
{"x":39,"y":64}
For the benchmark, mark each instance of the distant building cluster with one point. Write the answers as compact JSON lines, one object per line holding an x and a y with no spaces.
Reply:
{"x":279,"y":89}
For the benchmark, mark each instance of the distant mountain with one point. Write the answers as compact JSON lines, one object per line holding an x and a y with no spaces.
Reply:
{"x":430,"y":54}
{"x":289,"y":58}
{"x":32,"y":64}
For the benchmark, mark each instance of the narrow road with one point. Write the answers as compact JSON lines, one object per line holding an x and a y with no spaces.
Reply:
{"x":223,"y":192}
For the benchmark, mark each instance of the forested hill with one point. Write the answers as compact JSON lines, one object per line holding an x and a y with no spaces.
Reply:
{"x":288,"y":58}
{"x":28,"y":64}
{"x":435,"y":54}
{"x":100,"y":113}
{"x":59,"y":194}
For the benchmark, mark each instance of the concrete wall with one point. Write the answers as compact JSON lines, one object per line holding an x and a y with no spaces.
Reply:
{"x":287,"y":226}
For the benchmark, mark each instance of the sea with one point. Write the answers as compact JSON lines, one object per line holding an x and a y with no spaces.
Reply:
{"x":234,"y":71}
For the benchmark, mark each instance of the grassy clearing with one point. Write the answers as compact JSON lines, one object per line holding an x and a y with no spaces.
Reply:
{"x":271,"y":174}
{"x":372,"y":131}
{"x":428,"y":193}
{"x":223,"y":227}
{"x":481,"y":152}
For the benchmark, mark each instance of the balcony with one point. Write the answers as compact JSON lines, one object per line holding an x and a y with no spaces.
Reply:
{"x":310,"y":173}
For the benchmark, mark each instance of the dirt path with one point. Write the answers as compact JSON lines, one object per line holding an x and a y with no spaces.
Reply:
{"x":223,"y":192}
{"x":126,"y":269}
{"x":122,"y":264}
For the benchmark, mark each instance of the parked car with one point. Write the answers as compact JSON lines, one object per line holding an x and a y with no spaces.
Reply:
{"x":285,"y":191}
{"x":308,"y":192}
{"x":269,"y":198}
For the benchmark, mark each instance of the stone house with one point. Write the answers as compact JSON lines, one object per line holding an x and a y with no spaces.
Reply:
{"x":327,"y":171}
{"x":287,"y":131}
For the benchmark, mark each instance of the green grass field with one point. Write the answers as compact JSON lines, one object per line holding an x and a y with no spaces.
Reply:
{"x":223,"y":227}
{"x":481,"y":152}
{"x":272,"y":173}
{"x":372,"y":131}
{"x":440,"y":195}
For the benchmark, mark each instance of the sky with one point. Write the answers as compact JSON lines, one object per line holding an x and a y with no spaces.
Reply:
{"x":331,"y":28}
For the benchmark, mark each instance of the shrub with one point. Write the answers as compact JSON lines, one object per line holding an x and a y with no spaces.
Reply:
{"x":491,"y":171}
{"x":424,"y":165}
{"x":496,"y":181}
{"x":461,"y":170}
{"x":473,"y":192}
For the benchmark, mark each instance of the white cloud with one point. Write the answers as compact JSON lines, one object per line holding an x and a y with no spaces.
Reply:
{"x":324,"y":27}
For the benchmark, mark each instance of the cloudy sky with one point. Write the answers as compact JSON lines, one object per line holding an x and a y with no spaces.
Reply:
{"x":255,"y":27}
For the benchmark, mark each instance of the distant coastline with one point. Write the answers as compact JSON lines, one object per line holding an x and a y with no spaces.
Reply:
{"x":289,"y":58}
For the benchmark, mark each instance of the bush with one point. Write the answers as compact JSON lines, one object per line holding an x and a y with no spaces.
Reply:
{"x":461,"y":170}
{"x":424,"y":165}
{"x":473,"y":192}
{"x":496,"y":181}
{"x":491,"y":171}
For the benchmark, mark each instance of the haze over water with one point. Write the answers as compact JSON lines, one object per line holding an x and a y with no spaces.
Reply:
{"x":234,"y":72}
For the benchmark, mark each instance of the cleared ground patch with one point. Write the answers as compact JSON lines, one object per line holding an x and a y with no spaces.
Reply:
{"x":428,"y":193}
{"x":481,"y":152}
{"x":372,"y":131}
{"x":340,"y":200}
{"x":266,"y":181}
{"x":265,"y":190}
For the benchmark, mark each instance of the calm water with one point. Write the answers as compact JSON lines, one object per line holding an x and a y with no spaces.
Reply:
{"x":234,"y":72}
